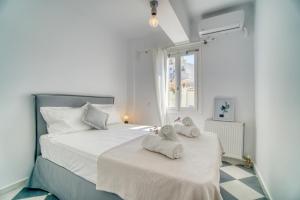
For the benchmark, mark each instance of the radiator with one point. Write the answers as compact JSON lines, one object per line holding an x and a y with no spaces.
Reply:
{"x":231,"y":135}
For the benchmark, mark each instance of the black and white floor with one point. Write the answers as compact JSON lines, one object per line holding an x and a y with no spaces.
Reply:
{"x":236,"y":182}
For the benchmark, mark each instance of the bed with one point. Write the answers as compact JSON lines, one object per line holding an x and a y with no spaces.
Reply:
{"x":107,"y":164}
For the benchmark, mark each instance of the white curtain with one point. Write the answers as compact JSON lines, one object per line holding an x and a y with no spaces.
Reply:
{"x":159,"y":69}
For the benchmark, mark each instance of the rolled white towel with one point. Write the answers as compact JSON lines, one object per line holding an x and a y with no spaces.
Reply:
{"x":189,"y":131}
{"x":167,"y":132}
{"x":187,"y":121}
{"x":168,"y":148}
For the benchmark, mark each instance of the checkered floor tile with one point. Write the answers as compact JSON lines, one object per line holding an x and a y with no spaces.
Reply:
{"x":236,"y":182}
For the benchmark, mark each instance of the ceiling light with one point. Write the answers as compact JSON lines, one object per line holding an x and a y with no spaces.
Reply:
{"x":153,"y":21}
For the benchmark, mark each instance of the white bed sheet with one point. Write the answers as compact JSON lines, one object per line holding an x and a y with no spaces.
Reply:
{"x":79,"y":151}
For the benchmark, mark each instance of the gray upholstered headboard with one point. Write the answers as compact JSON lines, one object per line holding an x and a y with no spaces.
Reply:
{"x":60,"y":100}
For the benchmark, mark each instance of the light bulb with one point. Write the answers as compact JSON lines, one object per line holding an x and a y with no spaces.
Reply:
{"x":153,"y":21}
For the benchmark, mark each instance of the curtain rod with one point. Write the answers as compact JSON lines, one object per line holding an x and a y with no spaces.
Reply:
{"x":187,"y":45}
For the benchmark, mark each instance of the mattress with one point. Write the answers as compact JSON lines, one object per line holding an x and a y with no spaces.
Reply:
{"x":79,"y":151}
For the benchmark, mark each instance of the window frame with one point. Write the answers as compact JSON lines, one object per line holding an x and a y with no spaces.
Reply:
{"x":178,"y":53}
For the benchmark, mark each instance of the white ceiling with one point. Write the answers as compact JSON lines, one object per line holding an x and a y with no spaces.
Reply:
{"x":198,"y":7}
{"x":129,"y":18}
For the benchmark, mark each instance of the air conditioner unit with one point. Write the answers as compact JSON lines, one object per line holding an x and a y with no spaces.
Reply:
{"x":225,"y":23}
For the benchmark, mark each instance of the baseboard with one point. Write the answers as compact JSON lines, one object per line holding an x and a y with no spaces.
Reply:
{"x":13,"y":186}
{"x":262,"y":183}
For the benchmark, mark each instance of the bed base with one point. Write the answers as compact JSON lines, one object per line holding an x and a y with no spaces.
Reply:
{"x":64,"y":184}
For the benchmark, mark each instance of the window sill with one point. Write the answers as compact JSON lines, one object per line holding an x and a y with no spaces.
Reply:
{"x":174,"y":110}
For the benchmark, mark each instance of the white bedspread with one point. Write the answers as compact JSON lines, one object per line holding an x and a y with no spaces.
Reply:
{"x":79,"y":151}
{"x":137,"y":174}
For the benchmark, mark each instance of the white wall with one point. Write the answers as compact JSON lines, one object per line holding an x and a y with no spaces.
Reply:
{"x":277,"y":80}
{"x":226,"y":69}
{"x":46,"y":46}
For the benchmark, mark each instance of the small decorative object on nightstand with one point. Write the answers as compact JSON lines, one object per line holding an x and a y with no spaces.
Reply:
{"x":248,"y":162}
{"x":154,"y":129}
{"x":178,"y":119}
{"x":126,"y":119}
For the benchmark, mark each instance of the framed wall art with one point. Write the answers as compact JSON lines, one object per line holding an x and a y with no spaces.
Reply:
{"x":224,"y":109}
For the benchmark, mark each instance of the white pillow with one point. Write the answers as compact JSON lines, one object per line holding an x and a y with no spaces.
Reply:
{"x":114,"y":116}
{"x":64,"y":119}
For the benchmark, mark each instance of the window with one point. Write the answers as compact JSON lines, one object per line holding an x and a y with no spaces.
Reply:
{"x":182,"y":80}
